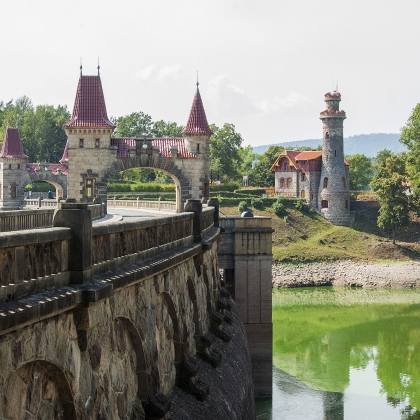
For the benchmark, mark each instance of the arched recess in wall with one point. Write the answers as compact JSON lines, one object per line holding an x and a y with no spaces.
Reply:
{"x":40,"y":388}
{"x":193,"y":298}
{"x":175,"y":338}
{"x":145,"y":388}
{"x":165,"y":165}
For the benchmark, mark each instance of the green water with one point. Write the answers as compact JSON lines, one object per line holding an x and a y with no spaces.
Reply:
{"x":344,"y":353}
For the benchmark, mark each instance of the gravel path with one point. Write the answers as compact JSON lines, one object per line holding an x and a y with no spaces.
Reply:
{"x":347,"y":273}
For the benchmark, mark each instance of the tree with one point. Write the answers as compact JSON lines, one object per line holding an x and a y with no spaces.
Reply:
{"x":166,"y":129}
{"x":390,"y":185}
{"x":410,"y":136}
{"x":261,"y":174}
{"x":136,"y":124}
{"x":225,"y":157}
{"x":381,"y":157}
{"x":360,"y":171}
{"x":43,"y":137}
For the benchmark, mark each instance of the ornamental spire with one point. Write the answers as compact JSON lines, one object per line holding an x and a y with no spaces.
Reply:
{"x":197,"y":121}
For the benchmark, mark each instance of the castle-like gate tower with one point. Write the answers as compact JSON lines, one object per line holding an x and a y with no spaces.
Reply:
{"x":94,"y":156}
{"x":334,"y":196}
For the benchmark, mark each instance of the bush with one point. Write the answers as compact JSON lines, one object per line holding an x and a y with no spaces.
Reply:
{"x":251,"y":191}
{"x":279,"y":209}
{"x":302,"y":206}
{"x":118,"y":187}
{"x":243,"y":206}
{"x":228,"y":186}
{"x":257,"y":203}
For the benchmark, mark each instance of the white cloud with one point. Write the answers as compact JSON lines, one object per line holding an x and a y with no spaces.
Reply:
{"x":276,"y":104}
{"x":152,"y":72}
{"x":230,"y":99}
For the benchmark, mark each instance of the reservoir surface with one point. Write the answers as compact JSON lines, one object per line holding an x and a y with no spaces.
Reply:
{"x":345,"y":353}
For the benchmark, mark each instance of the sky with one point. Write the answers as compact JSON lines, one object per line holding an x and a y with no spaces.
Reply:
{"x":263,"y":65}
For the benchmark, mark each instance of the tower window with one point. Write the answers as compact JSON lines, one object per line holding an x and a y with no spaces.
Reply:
{"x":303,"y":177}
{"x":325,"y":182}
{"x":89,"y":188}
{"x":327,"y":135}
{"x":346,"y":204}
{"x":97,"y":143}
{"x":10,"y":166}
{"x":81,"y":143}
{"x":18,"y":165}
{"x":335,"y":152}
{"x":198,"y":147}
{"x":324,"y":204}
{"x":326,"y":157}
{"x":344,"y":182}
{"x":14,"y":191}
{"x":285,"y":166}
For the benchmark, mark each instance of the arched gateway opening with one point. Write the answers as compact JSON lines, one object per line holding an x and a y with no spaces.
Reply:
{"x":182,"y":185}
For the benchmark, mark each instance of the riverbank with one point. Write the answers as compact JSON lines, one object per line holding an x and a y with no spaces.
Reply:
{"x":347,"y":273}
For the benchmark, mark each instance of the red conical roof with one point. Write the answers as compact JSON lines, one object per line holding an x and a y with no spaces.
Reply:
{"x":89,"y":107}
{"x":65,"y":157}
{"x":12,"y":145}
{"x":197,"y":122}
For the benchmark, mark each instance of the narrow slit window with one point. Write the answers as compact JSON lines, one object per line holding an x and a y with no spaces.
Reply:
{"x":325,"y":182}
{"x":89,"y":188}
{"x":81,"y":145}
{"x":97,"y":143}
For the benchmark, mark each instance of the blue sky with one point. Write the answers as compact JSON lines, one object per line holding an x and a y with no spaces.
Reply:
{"x":263,"y":66}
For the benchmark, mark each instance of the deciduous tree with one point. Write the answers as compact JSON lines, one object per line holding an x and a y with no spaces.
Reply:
{"x":360,"y":171}
{"x":390,"y":185}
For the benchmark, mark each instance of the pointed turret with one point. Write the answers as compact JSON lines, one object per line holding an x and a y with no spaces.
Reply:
{"x":12,"y":145}
{"x":197,"y":141}
{"x":65,"y":157}
{"x":89,"y":107}
{"x":197,"y":122}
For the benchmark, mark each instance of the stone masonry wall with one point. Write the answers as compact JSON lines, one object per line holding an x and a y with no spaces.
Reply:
{"x":129,"y":345}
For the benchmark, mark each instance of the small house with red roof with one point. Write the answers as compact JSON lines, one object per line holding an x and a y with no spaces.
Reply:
{"x":319,"y":177}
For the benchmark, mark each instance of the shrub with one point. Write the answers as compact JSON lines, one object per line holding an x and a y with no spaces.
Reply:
{"x":279,"y":209}
{"x":228,"y":186}
{"x":251,"y":191}
{"x":302,"y":206}
{"x":243,"y":206}
{"x":257,"y":203}
{"x":232,"y":201}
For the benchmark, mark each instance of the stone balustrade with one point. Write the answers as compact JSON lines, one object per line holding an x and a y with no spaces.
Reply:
{"x":38,"y":218}
{"x":25,"y":219}
{"x":33,"y":261}
{"x":143,"y":204}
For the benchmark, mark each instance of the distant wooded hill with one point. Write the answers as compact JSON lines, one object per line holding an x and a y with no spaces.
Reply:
{"x":366,"y":144}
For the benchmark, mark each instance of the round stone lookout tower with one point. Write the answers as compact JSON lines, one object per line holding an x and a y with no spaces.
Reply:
{"x":334,"y":194}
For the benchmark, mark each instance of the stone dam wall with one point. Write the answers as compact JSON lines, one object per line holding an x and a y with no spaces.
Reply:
{"x":133,"y":322}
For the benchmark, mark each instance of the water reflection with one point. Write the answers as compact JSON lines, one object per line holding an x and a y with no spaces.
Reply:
{"x":354,"y":354}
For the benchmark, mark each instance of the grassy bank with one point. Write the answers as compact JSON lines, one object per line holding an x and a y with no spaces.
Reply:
{"x":307,"y":237}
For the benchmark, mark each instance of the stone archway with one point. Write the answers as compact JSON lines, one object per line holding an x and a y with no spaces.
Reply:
{"x":59,"y":182}
{"x":40,"y":388}
{"x":166,"y":165}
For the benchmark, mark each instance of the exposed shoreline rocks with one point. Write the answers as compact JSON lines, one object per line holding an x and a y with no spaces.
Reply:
{"x":347,"y":273}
